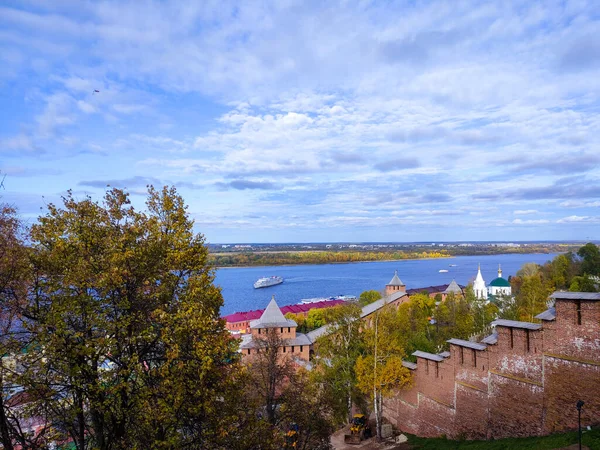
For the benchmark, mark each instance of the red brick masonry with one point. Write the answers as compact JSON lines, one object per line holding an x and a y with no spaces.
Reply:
{"x":524,"y":380}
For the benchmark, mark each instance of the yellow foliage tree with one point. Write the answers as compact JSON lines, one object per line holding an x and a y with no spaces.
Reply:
{"x":379,"y":371}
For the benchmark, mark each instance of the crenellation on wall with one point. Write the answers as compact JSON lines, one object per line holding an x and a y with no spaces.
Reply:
{"x":523,"y":381}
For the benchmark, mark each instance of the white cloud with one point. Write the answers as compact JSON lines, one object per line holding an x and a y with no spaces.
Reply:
{"x":398,"y":112}
{"x":86,"y":107}
{"x":580,"y":204}
{"x":579,"y":220}
{"x":20,"y":142}
{"x":530,"y":222}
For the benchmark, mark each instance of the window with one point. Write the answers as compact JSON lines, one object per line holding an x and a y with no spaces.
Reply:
{"x":511,"y":338}
{"x":474,"y":358}
{"x":248,"y":351}
{"x":289,"y":330}
{"x":301,"y":348}
{"x":292,"y":349}
{"x":427,"y":367}
{"x":462,"y":355}
{"x":527,"y":340}
{"x":578,"y":308}
{"x":284,"y":349}
{"x":281,"y":330}
{"x":437,"y":369}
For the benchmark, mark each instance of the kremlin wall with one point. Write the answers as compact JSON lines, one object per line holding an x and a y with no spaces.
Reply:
{"x":523,"y":380}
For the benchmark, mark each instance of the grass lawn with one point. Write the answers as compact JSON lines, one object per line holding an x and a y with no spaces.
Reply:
{"x":590,"y":439}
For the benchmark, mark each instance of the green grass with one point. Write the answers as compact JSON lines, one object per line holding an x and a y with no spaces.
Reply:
{"x":590,"y":439}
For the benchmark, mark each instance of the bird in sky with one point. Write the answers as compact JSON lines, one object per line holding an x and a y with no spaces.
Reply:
{"x":96,"y":91}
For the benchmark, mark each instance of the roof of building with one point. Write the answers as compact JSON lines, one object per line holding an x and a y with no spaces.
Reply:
{"x":491,"y":339}
{"x":479,"y":283}
{"x":499,"y":282}
{"x":453,"y":287}
{"x":409,"y":365}
{"x":432,"y":289}
{"x":272,"y":317}
{"x":445,"y":354}
{"x":300,"y":339}
{"x":468,"y":344}
{"x":395,"y":281}
{"x":594,"y":296}
{"x":549,"y":314}
{"x":317,"y":333}
{"x":517,"y":324}
{"x":430,"y":356}
{"x":372,"y":307}
{"x":296,"y":309}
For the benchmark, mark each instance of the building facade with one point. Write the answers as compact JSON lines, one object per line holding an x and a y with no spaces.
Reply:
{"x":291,"y":344}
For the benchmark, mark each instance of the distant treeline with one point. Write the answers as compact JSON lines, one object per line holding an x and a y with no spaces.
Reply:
{"x":250,"y":258}
{"x":284,"y":258}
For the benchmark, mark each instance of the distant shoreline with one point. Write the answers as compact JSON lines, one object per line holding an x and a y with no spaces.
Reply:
{"x":378,"y":260}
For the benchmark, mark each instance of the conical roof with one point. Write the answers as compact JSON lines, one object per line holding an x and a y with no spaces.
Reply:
{"x":479,"y":280}
{"x":453,"y":287}
{"x":272,"y":317}
{"x":396,"y":281}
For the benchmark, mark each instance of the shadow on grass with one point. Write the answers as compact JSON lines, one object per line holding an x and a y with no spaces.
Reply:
{"x":591,"y":439}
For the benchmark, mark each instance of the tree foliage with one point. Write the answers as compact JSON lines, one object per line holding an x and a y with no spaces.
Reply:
{"x":13,"y":290}
{"x":368,"y":297}
{"x":125,"y":310}
{"x":337,"y":352}
{"x":379,"y":370}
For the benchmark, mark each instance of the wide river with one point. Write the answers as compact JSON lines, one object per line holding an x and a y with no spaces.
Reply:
{"x":326,"y":280}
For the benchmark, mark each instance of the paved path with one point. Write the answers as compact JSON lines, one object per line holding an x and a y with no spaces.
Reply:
{"x":337,"y":441}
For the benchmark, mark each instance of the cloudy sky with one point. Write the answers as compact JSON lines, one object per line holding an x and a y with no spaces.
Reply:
{"x":312,"y":121}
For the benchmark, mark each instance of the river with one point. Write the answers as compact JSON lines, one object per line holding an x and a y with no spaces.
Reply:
{"x":325,"y":280}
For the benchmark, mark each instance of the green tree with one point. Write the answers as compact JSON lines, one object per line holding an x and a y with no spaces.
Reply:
{"x":591,"y":259}
{"x":368,"y":297}
{"x":336,"y":354}
{"x":125,"y":310}
{"x":380,"y":371}
{"x":532,"y":296}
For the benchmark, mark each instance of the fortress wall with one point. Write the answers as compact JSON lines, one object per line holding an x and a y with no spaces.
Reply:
{"x":526,"y":384}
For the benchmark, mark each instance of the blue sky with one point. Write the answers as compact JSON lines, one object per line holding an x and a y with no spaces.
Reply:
{"x":312,"y":121}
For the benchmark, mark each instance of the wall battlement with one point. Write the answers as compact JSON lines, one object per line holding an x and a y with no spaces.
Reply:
{"x":523,"y":380}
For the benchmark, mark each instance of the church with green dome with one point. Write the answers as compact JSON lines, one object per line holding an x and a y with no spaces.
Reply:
{"x":499,"y":286}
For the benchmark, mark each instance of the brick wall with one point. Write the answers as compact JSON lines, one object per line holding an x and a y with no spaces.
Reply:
{"x":526,"y":383}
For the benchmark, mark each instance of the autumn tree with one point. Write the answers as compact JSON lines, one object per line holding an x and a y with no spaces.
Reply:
{"x":336,"y":354}
{"x":309,"y":409}
{"x":125,"y":310}
{"x":379,"y":370}
{"x":532,"y":296}
{"x":13,"y":337}
{"x":270,"y":371}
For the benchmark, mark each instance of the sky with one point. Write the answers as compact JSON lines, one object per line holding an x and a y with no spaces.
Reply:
{"x":311,"y":121}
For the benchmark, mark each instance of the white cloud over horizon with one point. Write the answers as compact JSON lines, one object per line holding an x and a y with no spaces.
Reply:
{"x":322,"y":121}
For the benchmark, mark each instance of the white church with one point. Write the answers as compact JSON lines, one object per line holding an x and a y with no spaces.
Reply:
{"x":498,"y":286}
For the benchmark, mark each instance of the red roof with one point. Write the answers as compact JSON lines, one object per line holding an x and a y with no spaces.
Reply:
{"x":295,"y":309}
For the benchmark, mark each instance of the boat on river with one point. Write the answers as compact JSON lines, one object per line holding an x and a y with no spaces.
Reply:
{"x":267,"y":281}
{"x":346,"y":298}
